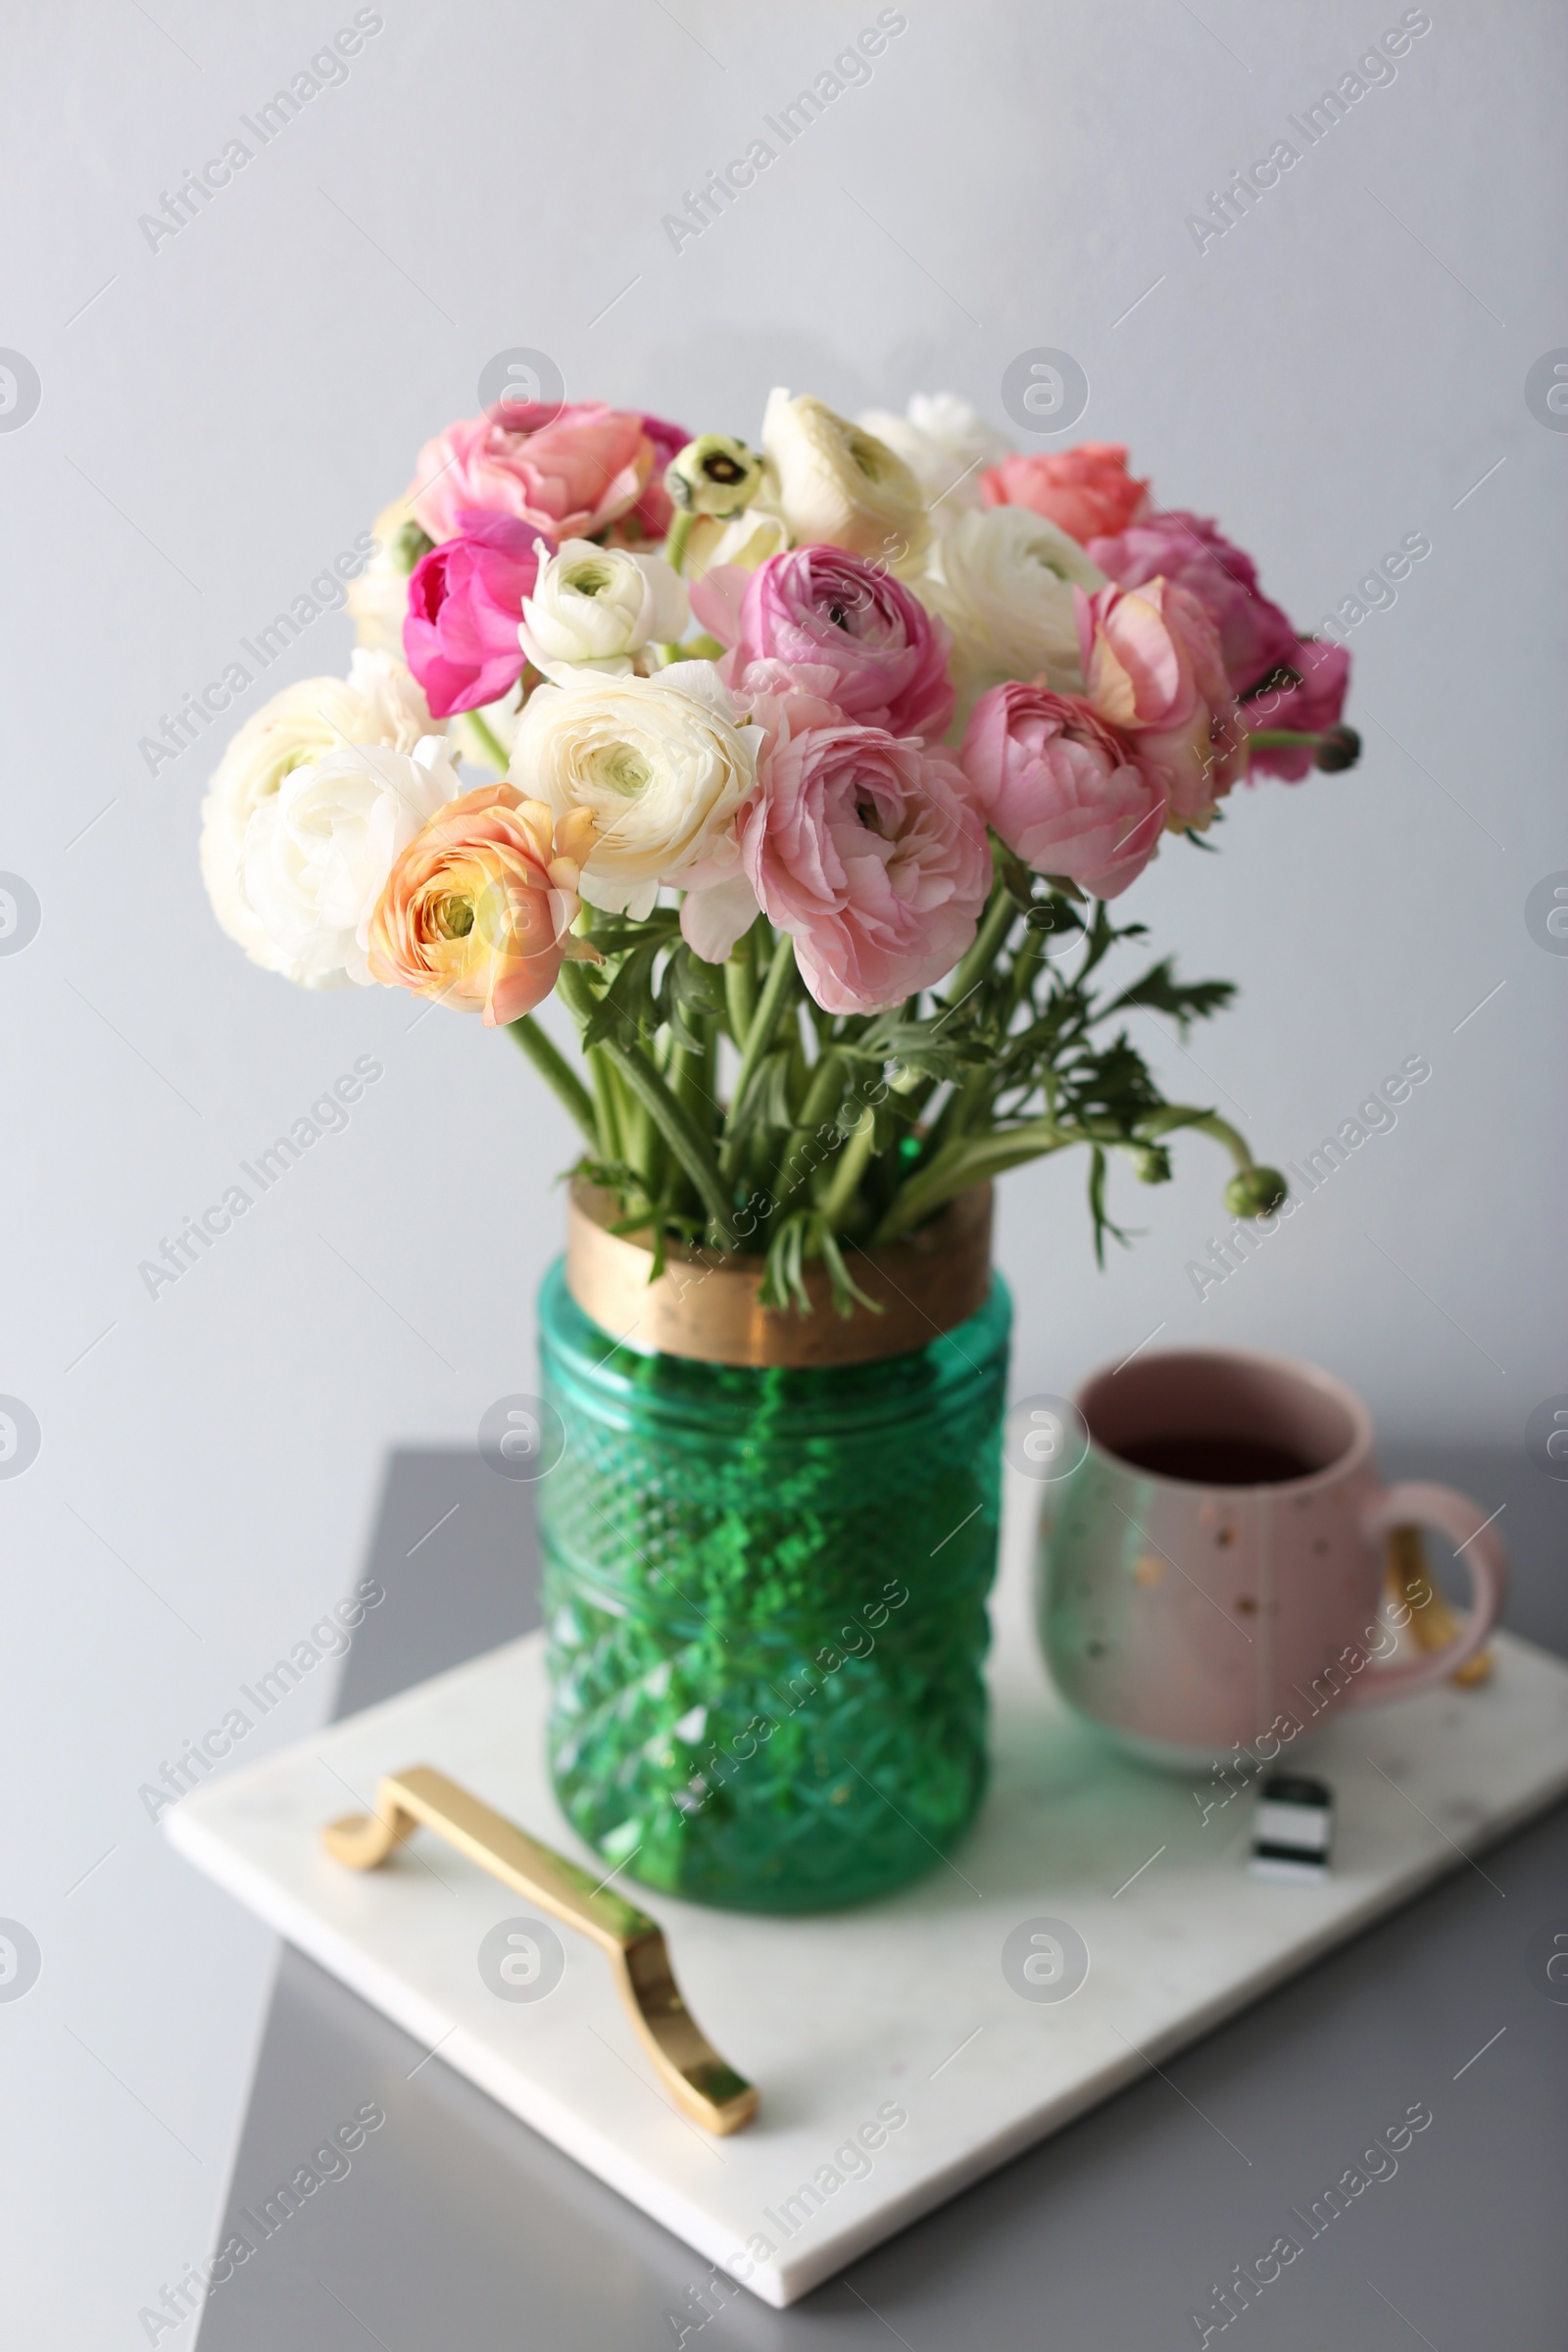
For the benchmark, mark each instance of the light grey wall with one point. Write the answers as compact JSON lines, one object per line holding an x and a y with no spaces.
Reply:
{"x":219,"y":417}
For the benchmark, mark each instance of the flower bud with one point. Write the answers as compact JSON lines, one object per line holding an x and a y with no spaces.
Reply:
{"x":409,"y":546}
{"x":713,"y":475}
{"x":1151,"y":1162}
{"x":1338,"y":748}
{"x":1256,"y":1192}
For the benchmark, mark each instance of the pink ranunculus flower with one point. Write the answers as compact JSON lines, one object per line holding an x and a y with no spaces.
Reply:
{"x":1254,"y":636}
{"x":1061,"y":787}
{"x":568,"y":474}
{"x":1085,"y":491}
{"x":867,"y":848}
{"x":1152,"y":670}
{"x":1323,"y":671}
{"x":818,"y":606}
{"x":465,"y":598}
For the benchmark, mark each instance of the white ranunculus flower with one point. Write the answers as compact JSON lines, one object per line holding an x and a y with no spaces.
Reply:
{"x":378,"y":596}
{"x":318,"y":851}
{"x":1003,"y":580}
{"x":946,"y":443}
{"x":661,"y":763}
{"x":835,"y":485}
{"x":597,"y":608}
{"x":377,"y":703}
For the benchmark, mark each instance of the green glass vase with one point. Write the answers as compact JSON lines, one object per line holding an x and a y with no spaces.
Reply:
{"x":765,"y":1601}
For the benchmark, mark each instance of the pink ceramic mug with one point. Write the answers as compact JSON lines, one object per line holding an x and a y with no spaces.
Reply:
{"x":1212,"y":1566}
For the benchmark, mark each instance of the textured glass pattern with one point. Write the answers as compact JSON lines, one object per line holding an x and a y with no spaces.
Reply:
{"x":766,"y":1598}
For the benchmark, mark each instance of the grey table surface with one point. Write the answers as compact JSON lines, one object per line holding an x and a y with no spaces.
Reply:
{"x":458,"y":2230}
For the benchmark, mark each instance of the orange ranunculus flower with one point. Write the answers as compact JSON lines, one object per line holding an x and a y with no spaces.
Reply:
{"x":478,"y":909}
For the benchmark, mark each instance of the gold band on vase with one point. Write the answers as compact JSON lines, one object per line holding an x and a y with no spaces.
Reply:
{"x":704,"y":1305}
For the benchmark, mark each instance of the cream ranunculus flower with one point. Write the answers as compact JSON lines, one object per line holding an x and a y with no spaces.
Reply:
{"x":1002,"y":579}
{"x":378,"y":596}
{"x":661,"y":765}
{"x":945,"y":444}
{"x":597,"y":608}
{"x":746,"y":541}
{"x":318,"y":851}
{"x":378,"y":703}
{"x":838,"y":485}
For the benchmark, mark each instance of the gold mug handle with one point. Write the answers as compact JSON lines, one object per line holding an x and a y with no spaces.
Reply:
{"x":1431,"y":1621}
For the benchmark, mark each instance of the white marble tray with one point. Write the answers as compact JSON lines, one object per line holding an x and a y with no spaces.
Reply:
{"x":904,"y":2006}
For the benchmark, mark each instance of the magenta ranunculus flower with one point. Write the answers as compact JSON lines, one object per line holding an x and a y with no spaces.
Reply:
{"x":1254,"y":635}
{"x":652,"y":514}
{"x":464,"y":606}
{"x":1323,"y":670}
{"x":866,"y":847}
{"x":568,"y":476}
{"x":885,"y":653}
{"x":1154,"y":671}
{"x":1062,"y":789}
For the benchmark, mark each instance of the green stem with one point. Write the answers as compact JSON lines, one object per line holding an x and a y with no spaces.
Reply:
{"x":488,"y":743}
{"x":1177,"y":1114}
{"x":740,"y":992}
{"x":759,"y":1036}
{"x":689,"y":1075}
{"x":638,"y":1136}
{"x":822,"y":1097}
{"x":1278,"y":739}
{"x":846,"y":1178}
{"x":606,"y":1110}
{"x":675,"y":1124}
{"x":985,"y":947}
{"x":680,"y":530}
{"x":557,"y":1074}
{"x":575,"y":991}
{"x":961,"y":1106}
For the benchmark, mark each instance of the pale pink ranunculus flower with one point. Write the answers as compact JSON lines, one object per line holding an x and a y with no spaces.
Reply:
{"x":568,"y":476}
{"x":866,"y":848}
{"x":1152,"y":670}
{"x":1085,"y":491}
{"x":1061,"y":787}
{"x":886,"y":654}
{"x":477,"y":910}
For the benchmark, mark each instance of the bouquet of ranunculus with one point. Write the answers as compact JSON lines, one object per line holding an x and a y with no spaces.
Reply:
{"x":812,"y":774}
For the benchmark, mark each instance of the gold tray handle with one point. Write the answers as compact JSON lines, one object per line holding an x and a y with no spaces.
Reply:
{"x":703,"y":2088}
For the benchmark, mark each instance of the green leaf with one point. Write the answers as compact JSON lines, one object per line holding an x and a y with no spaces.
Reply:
{"x":1097,"y":1208}
{"x":1159,"y":991}
{"x":784,"y":1274}
{"x":690,"y":995}
{"x":968,"y":1159}
{"x":770,"y":1104}
{"x":846,"y":1293}
{"x":616,"y":934}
